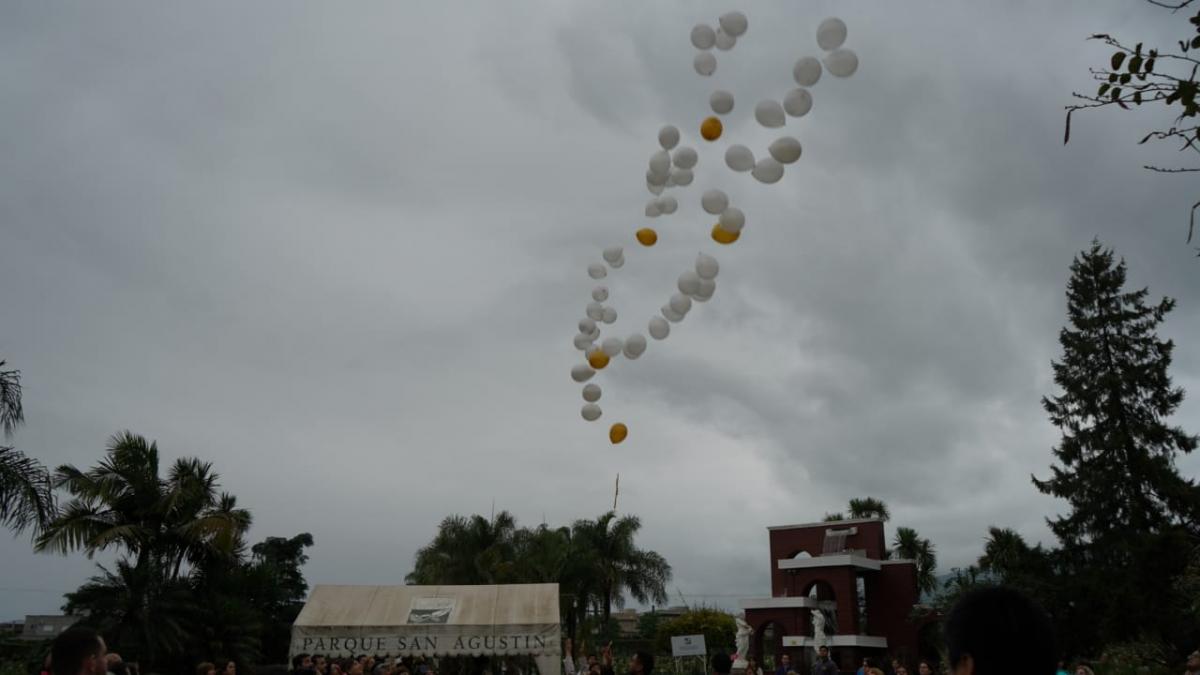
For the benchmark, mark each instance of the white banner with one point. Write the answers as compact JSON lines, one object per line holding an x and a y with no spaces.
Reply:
{"x":688,"y":645}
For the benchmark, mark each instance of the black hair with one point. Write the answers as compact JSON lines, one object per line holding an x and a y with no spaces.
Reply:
{"x":297,"y":660}
{"x":721,"y":663}
{"x":71,"y":648}
{"x":987,"y":622}
{"x":647,"y":661}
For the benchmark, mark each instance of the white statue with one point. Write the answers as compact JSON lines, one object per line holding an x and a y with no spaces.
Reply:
{"x":744,"y":631}
{"x":818,"y":621}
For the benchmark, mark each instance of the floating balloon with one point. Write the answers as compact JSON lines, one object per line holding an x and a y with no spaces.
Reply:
{"x":600,"y":293}
{"x":707,"y":288}
{"x":652,"y":209}
{"x":721,"y":102}
{"x":797,"y":102}
{"x":583,"y":341}
{"x":807,"y":71}
{"x":617,"y":433}
{"x":681,"y":177}
{"x":707,"y":266}
{"x":660,"y":163}
{"x":724,"y":40}
{"x":767,"y":170}
{"x":582,"y":372}
{"x":734,"y":23}
{"x":595,"y":311}
{"x":635,"y":346}
{"x":831,"y":34}
{"x":705,"y":63}
{"x":598,"y":359}
{"x":703,"y":36}
{"x":732,"y":219}
{"x":688,"y":282}
{"x":668,"y":137}
{"x":680,"y":303}
{"x":841,"y":63}
{"x":597,"y":271}
{"x":586,"y":326}
{"x":685,"y":158}
{"x":770,"y":114}
{"x":671,"y":315}
{"x":609,"y":315}
{"x":659,"y":330}
{"x":710,"y":129}
{"x":591,"y":392}
{"x":714,"y":201}
{"x":667,"y":204}
{"x":655,"y":189}
{"x":612,"y":346}
{"x":613,"y":254}
{"x":618,"y":263}
{"x":723,"y":236}
{"x":739,"y":158}
{"x":785,"y":150}
{"x":590,"y":412}
{"x":658,"y":179}
{"x":647,"y":236}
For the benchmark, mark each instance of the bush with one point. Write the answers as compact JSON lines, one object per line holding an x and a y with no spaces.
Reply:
{"x":717,"y":627}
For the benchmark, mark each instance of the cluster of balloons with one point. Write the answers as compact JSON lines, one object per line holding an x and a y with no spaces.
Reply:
{"x":672,"y":166}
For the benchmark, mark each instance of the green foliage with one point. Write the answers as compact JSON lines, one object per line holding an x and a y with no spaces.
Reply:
{"x":647,"y":627}
{"x":718,"y":628}
{"x":26,"y":492}
{"x":911,"y":546}
{"x":868,"y":507}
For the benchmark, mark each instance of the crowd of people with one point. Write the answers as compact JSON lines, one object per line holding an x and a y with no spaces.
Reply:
{"x":318,"y":664}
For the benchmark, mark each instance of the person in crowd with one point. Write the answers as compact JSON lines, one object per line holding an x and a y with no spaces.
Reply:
{"x":1083,"y":670}
{"x":301,"y":662}
{"x":335,"y":668}
{"x":1062,"y":669}
{"x":902,"y":670}
{"x":721,"y":664}
{"x":985,"y":627}
{"x":875,"y":671}
{"x":206,"y":668}
{"x":319,"y":665}
{"x":785,"y":665}
{"x":752,"y":667}
{"x":896,"y":665}
{"x":824,"y":665}
{"x":924,"y":667}
{"x":230,"y":668}
{"x":356,"y":668}
{"x":1193,"y":663}
{"x":642,"y":663}
{"x":862,"y":669}
{"x":78,"y":651}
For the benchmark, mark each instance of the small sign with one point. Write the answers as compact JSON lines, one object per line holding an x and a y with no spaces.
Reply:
{"x":794,"y":640}
{"x":688,"y":645}
{"x":430,"y":610}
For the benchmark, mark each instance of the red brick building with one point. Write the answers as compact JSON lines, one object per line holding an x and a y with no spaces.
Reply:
{"x":839,"y":568}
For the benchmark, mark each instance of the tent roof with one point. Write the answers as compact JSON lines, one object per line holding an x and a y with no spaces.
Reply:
{"x":383,"y":606}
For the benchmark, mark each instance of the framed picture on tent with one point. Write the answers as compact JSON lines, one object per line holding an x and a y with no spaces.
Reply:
{"x":426,"y":611}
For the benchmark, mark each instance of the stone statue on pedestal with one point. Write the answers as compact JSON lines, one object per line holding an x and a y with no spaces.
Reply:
{"x":744,"y":631}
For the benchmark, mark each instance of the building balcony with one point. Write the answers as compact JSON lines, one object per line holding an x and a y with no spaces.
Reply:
{"x":854,"y":560}
{"x":867,"y":641}
{"x":798,"y":602}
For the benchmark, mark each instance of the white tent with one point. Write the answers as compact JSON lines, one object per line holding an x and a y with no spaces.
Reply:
{"x":519,"y":619}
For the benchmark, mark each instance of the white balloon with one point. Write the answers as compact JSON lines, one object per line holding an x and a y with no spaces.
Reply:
{"x":582,"y":372}
{"x":831,"y":34}
{"x":685,"y":158}
{"x":597,"y":271}
{"x":592,"y":349}
{"x":667,"y":204}
{"x":609,"y":315}
{"x":652,"y":208}
{"x":618,"y":263}
{"x":705,"y":63}
{"x":706,"y":265}
{"x":587,"y":325}
{"x":591,"y":392}
{"x":714,"y":201}
{"x":583,"y":341}
{"x":613,"y":253}
{"x":681,"y":176}
{"x":785,"y":150}
{"x":655,"y":189}
{"x":767,"y":170}
{"x":595,"y":334}
{"x":770,"y":114}
{"x":659,"y":329}
{"x":595,"y":311}
{"x":734,"y":23}
{"x":703,"y":36}
{"x":671,"y":315}
{"x":660,"y":163}
{"x":721,"y":101}
{"x":705,"y":293}
{"x":797,"y":102}
{"x":807,"y":71}
{"x":612,"y":346}
{"x":668,"y":137}
{"x":680,"y":303}
{"x":590,"y":412}
{"x":724,"y":40}
{"x":635,"y":346}
{"x":841,"y":63}
{"x":689,"y":282}
{"x":739,"y":158}
{"x":599,"y":294}
{"x":657,"y":178}
{"x":732,"y":219}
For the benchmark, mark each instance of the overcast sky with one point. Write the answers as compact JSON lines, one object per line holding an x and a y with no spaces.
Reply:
{"x":340,"y":252}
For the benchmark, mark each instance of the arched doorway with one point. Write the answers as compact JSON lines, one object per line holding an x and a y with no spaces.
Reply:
{"x":769,"y":645}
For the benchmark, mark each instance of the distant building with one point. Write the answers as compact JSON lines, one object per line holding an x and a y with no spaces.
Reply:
{"x":839,"y":569}
{"x":46,"y":626}
{"x":11,"y":628}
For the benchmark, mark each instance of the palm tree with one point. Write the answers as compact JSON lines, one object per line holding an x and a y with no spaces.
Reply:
{"x":1004,"y":551}
{"x":472,"y":550}
{"x":11,"y":413}
{"x":619,"y":565}
{"x":911,"y":546}
{"x":26,"y":492}
{"x":868,"y":507}
{"x":160,"y":523}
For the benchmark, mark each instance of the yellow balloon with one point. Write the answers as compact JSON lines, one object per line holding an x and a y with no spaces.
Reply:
{"x":710,"y":129}
{"x":722,"y":236}
{"x":598,"y":359}
{"x":647,"y":236}
{"x":617,"y":433}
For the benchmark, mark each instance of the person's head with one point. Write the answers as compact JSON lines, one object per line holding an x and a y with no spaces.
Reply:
{"x":786,"y":660}
{"x":985,"y":624}
{"x":642,"y":663}
{"x":356,"y":668}
{"x":751,"y":664}
{"x":1083,"y":670}
{"x":721,"y":664}
{"x":874,"y":671}
{"x":924,"y":668}
{"x":1193,"y":662}
{"x":594,"y":669}
{"x":78,"y":651}
{"x":206,"y":668}
{"x":866,"y":663}
{"x":901,"y":670}
{"x":823,"y":652}
{"x":319,"y":663}
{"x":895,"y":664}
{"x":301,"y":662}
{"x":231,"y":668}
